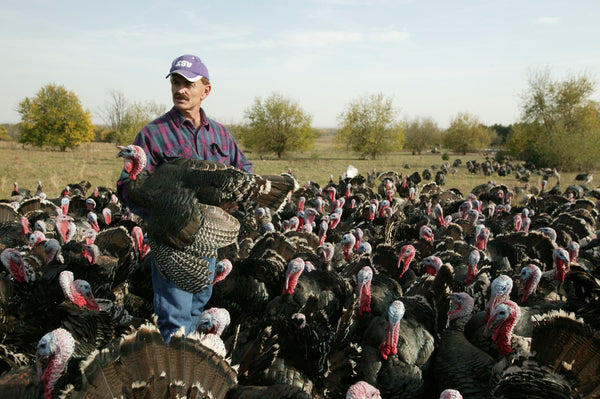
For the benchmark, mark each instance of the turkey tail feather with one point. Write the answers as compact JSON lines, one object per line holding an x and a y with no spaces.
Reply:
{"x":143,"y":366}
{"x":570,"y":347}
{"x":144,"y":356}
{"x":273,"y":190}
{"x":215,"y":375}
{"x":182,"y":355}
{"x":197,"y":370}
{"x":8,"y":214}
{"x":103,"y":377}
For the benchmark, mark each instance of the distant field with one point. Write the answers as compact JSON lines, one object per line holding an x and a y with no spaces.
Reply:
{"x":97,"y":163}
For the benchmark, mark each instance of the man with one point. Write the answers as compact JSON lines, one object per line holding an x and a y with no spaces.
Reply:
{"x":183,"y":132}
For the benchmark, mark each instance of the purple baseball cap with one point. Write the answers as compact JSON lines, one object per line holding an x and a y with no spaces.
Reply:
{"x":190,"y":67}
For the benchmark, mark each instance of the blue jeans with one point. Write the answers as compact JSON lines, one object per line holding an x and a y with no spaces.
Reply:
{"x":176,"y":308}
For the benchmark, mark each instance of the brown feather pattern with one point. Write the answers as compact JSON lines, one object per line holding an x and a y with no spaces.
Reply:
{"x":143,"y":366}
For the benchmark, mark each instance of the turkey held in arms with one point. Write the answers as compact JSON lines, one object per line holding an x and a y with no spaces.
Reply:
{"x":185,"y":203}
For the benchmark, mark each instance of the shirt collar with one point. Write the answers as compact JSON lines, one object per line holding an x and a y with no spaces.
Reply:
{"x":178,"y":119}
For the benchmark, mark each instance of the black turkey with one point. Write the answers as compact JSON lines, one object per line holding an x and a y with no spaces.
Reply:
{"x":396,"y":350}
{"x":586,"y":178}
{"x":563,"y":362}
{"x":186,"y":201}
{"x":19,"y":193}
{"x":457,"y":363}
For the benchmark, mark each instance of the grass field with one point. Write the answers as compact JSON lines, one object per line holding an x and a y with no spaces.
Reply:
{"x":98,"y":164}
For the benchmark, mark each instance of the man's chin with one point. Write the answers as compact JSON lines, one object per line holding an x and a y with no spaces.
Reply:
{"x":181,"y":105}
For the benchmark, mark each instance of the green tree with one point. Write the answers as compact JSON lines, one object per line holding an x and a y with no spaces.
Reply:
{"x":277,"y":125}
{"x":422,"y":133}
{"x":523,"y":142}
{"x":466,"y":133}
{"x":502,"y":133}
{"x":54,"y":117}
{"x":560,"y":123}
{"x":126,"y":119}
{"x":369,"y":126}
{"x":4,"y":133}
{"x":237,"y":131}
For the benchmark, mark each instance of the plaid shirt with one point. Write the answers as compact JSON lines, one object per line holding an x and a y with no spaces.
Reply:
{"x":172,"y":136}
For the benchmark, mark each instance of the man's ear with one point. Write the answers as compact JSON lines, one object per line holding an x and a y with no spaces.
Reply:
{"x":207,"y":90}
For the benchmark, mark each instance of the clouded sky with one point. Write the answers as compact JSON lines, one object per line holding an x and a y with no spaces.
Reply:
{"x":433,"y":58}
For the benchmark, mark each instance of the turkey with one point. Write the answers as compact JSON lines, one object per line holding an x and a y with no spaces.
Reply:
{"x":54,"y":352}
{"x":500,"y":290}
{"x":450,"y":394}
{"x":363,"y":390}
{"x":185,"y":200}
{"x":246,"y":290}
{"x":528,"y":281}
{"x":586,"y":178}
{"x":375,"y":292}
{"x":140,"y":364}
{"x":14,"y":229}
{"x":19,"y":193}
{"x":563,"y":362}
{"x":520,"y":247}
{"x":80,"y":188}
{"x":502,"y":319}
{"x":36,"y":307}
{"x":397,"y":349}
{"x":301,"y":351}
{"x":457,"y":363}
{"x":325,"y":290}
{"x":106,"y":262}
{"x":31,"y":265}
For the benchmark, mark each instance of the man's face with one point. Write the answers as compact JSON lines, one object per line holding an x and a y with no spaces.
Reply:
{"x":187,"y":96}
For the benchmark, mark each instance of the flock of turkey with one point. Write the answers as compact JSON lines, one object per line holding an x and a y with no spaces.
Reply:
{"x":377,"y":286}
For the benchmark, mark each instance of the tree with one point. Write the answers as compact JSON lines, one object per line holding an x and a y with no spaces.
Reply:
{"x":560,"y":123}
{"x":113,"y":114}
{"x":277,"y":125}
{"x":4,"y":133}
{"x":502,"y":133}
{"x":369,"y":126}
{"x":12,"y":131}
{"x":422,"y":133}
{"x":54,"y":117}
{"x":125,"y":120}
{"x":466,"y":133}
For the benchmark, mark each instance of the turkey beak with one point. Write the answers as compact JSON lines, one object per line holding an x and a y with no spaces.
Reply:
{"x":120,"y":154}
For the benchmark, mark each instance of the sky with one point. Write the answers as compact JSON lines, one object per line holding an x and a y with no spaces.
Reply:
{"x":434,"y":59}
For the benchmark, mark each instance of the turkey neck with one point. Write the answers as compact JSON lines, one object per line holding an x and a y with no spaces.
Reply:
{"x":459,"y":323}
{"x":502,"y":337}
{"x":137,"y":194}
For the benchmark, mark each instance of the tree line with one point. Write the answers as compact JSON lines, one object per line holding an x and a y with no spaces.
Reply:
{"x":559,"y":124}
